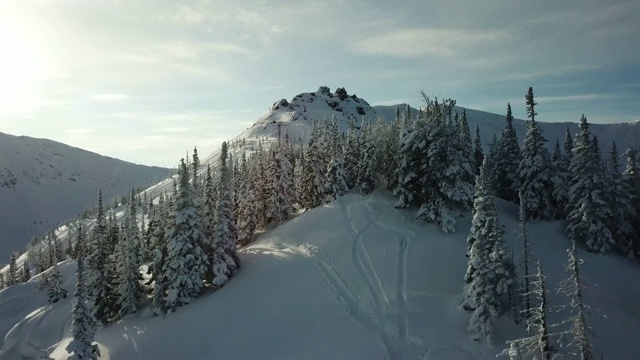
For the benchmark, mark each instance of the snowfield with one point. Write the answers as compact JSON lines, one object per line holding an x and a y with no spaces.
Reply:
{"x":354,"y":279}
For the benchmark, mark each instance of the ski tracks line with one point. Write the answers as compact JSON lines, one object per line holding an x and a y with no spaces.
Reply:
{"x":403,"y":318}
{"x":366,"y":270}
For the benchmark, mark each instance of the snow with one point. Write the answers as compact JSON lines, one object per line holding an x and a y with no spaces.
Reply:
{"x":44,"y":183}
{"x":353,"y":279}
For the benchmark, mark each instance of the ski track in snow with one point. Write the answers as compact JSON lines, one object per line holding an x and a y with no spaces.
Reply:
{"x":367,"y":270}
{"x":397,"y":342}
{"x":403,"y":318}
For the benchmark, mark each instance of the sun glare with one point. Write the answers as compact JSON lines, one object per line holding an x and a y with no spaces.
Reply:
{"x":19,"y":69}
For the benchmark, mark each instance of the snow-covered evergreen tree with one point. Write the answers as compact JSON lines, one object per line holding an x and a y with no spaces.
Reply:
{"x":313,"y":173}
{"x":225,"y":258}
{"x":55,"y":292}
{"x":559,"y":182}
{"x":581,"y":334}
{"x":13,"y":271}
{"x":186,"y":263}
{"x":81,"y":347}
{"x":366,"y":181}
{"x":507,"y":161}
{"x":620,"y":203}
{"x":465,"y":149}
{"x":445,"y":167}
{"x":588,"y":211}
{"x":246,"y":218}
{"x":492,"y":166}
{"x":336,"y":183}
{"x":407,"y":178}
{"x":128,"y":275}
{"x":209,"y":212}
{"x":26,"y":272}
{"x":488,"y":276}
{"x":99,"y":284}
{"x":535,"y":169}
{"x":280,"y":205}
{"x":478,"y":153}
{"x":159,"y":215}
{"x":352,"y":154}
{"x":631,"y":179}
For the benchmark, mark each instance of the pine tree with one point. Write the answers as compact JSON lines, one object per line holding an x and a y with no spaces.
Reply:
{"x":366,"y":182}
{"x":445,"y":167}
{"x":407,"y":178}
{"x":13,"y":271}
{"x":99,"y":284}
{"x":81,"y":346}
{"x":559,"y":180}
{"x":478,"y":153}
{"x":581,"y":342}
{"x":160,"y":215}
{"x":465,"y":148}
{"x":588,"y":211}
{"x":492,"y":182}
{"x":536,"y":346}
{"x":632,"y":181}
{"x":352,"y":154}
{"x":313,"y":172}
{"x":186,"y":262}
{"x":526,"y":261}
{"x":387,"y":145}
{"x":280,"y":200}
{"x":225,"y":258}
{"x":209,"y":212}
{"x":246,"y":218}
{"x":507,"y":160}
{"x":336,"y":185}
{"x":54,"y":282}
{"x":59,"y":256}
{"x":534,"y":169}
{"x":488,"y":276}
{"x":26,"y":272}
{"x":129,"y":289}
{"x":620,"y":204}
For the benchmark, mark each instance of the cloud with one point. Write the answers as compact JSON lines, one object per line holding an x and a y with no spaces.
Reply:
{"x":109,"y":97}
{"x":583,"y":97}
{"x":78,"y":131}
{"x":407,"y":43}
{"x":553,"y":72}
{"x":173,"y":130}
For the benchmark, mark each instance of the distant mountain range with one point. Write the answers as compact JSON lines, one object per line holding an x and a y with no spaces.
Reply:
{"x":43,"y":184}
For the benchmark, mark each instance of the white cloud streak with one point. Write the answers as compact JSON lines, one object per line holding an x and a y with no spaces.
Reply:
{"x":407,"y":43}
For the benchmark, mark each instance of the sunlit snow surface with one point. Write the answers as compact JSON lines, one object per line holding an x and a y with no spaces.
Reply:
{"x":354,"y":279}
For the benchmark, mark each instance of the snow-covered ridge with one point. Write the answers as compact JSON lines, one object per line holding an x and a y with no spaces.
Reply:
{"x":43,"y":183}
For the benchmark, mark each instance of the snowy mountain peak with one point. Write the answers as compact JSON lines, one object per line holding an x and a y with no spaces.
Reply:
{"x":318,"y":105}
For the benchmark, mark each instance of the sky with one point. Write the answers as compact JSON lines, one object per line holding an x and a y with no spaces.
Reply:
{"x":146,"y":81}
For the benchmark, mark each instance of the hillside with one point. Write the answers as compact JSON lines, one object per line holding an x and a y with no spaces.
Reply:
{"x":44,"y":184}
{"x":353,"y":279}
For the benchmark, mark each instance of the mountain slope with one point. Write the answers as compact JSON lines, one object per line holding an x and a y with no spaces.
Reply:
{"x":44,"y":183}
{"x":353,"y":279}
